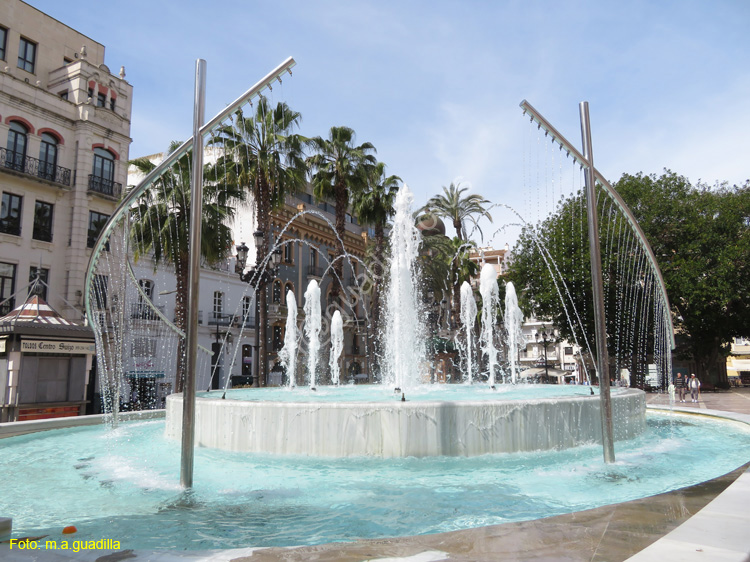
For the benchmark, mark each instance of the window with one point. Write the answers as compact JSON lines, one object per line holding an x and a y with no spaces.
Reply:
{"x":47,"y":157}
{"x":96,"y":224}
{"x":16,"y":154}
{"x":101,"y":100}
{"x":100,"y":291}
{"x":276,"y":292}
{"x":64,"y":95}
{"x":3,"y":37}
{"x":246,"y":301}
{"x":40,"y":288}
{"x":143,"y":347}
{"x":313,"y":257}
{"x":289,"y":252}
{"x":26,"y":55}
{"x":278,"y":338}
{"x":218,"y":305}
{"x":10,"y":214}
{"x":43,"y":221}
{"x":7,"y":287}
{"x":90,"y":93}
{"x":147,"y":286}
{"x":112,"y":103}
{"x":103,"y":175}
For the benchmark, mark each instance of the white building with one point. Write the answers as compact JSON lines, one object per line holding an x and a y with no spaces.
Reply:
{"x":64,"y":136}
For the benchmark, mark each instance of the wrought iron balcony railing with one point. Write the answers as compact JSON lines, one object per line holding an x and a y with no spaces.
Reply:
{"x":19,"y":162}
{"x":145,"y":311}
{"x":313,"y":271}
{"x":105,"y":186}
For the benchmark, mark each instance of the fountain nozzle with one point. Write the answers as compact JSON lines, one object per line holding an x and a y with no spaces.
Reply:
{"x":403,"y":397}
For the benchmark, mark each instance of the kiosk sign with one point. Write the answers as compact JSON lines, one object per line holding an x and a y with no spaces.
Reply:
{"x":50,"y":346}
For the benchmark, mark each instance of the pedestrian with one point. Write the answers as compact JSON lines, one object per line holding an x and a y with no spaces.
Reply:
{"x":695,"y":387}
{"x":680,"y":385}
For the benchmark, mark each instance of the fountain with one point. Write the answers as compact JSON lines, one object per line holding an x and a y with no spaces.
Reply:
{"x":429,"y":421}
{"x":312,"y":330}
{"x":468,"y":317}
{"x":337,"y":346}
{"x":288,"y":353}
{"x":513,"y":323}
{"x":429,"y":452}
{"x":490,"y":301}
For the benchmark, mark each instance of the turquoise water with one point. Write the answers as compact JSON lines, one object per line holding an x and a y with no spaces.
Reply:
{"x":123,"y":484}
{"x":422,"y":393}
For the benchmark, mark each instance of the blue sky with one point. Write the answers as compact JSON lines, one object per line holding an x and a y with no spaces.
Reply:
{"x":435,"y":86}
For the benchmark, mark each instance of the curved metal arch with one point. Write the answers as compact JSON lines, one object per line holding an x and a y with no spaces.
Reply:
{"x":122,"y":209}
{"x":602,"y":181}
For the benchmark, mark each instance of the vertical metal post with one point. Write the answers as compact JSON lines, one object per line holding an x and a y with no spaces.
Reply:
{"x":196,"y":212}
{"x":602,"y":356}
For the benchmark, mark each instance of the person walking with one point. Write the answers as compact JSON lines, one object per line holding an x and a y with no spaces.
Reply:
{"x":695,"y":387}
{"x":680,"y":384}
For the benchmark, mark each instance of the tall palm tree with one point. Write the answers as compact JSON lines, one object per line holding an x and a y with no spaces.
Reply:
{"x":339,"y":169}
{"x":264,"y":157}
{"x":160,"y":229}
{"x":457,"y":208}
{"x":374,"y":205}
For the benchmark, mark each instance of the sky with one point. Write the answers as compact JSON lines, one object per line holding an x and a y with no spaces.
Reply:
{"x":435,"y":85}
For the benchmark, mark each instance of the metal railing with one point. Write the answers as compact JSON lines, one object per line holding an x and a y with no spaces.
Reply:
{"x":219,"y":319}
{"x":314,"y":271}
{"x":19,"y":162}
{"x":105,"y":186}
{"x":145,"y":311}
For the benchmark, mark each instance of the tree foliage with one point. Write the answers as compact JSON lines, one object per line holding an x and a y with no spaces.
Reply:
{"x":701,"y":238}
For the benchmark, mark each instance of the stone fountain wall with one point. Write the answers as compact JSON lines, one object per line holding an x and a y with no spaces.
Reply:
{"x":406,"y":429}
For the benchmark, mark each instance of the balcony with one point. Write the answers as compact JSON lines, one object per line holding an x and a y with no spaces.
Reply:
{"x":29,"y":166}
{"x":314,"y":271}
{"x":145,"y":311}
{"x":105,"y":186}
{"x":219,"y":319}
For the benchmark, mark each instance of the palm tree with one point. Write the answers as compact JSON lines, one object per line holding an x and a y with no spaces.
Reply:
{"x":446,"y":264}
{"x":374,"y":205}
{"x":339,"y":169}
{"x":160,"y":229}
{"x":458,"y":209}
{"x":264,"y":157}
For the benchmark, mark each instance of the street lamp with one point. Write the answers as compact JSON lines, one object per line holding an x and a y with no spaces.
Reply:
{"x":258,"y":279}
{"x":545,"y":340}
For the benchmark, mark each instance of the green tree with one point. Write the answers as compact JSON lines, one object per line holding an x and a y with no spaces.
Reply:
{"x":339,"y":170}
{"x":374,"y":205}
{"x":445,"y":265}
{"x":701,"y":236}
{"x":458,"y":208}
{"x":265,"y":157}
{"x":160,"y":229}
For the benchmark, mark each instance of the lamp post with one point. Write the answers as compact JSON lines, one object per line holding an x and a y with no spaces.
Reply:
{"x":258,"y":279}
{"x":545,"y":341}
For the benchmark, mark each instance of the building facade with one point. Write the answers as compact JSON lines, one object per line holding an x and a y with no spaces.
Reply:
{"x":64,"y":141}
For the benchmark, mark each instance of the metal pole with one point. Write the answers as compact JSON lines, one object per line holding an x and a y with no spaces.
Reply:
{"x":196,"y":212}
{"x":602,"y":357}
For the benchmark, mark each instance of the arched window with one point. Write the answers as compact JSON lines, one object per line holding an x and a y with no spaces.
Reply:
{"x":47,"y":157}
{"x":16,"y":154}
{"x":103,"y":174}
{"x":276,"y":292}
{"x":287,"y":288}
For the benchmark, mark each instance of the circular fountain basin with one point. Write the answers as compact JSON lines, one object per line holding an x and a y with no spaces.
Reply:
{"x":434,"y":420}
{"x":123,"y":484}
